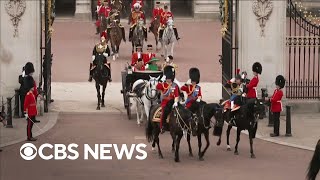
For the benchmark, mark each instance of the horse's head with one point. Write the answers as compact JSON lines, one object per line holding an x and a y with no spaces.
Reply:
{"x":170,"y":24}
{"x":152,"y":91}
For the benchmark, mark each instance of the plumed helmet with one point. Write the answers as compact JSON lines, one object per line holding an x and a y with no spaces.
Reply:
{"x":28,"y":83}
{"x":28,"y":68}
{"x":256,"y":67}
{"x":280,"y":81}
{"x":169,"y":72}
{"x":194,"y":75}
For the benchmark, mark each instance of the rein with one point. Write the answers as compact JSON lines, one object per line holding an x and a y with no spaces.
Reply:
{"x":184,"y":126}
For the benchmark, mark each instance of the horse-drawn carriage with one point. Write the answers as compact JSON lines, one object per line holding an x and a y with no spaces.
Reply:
{"x":128,"y":79}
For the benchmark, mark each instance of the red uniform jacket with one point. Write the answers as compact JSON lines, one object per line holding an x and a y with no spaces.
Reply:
{"x":157,"y":12}
{"x":193,"y":93}
{"x":252,"y":87}
{"x":134,"y":1}
{"x":276,"y":105}
{"x":30,"y":104}
{"x":135,"y":57}
{"x":164,"y":17}
{"x":35,"y":90}
{"x":147,"y":57}
{"x":168,"y":92}
{"x":135,"y":16}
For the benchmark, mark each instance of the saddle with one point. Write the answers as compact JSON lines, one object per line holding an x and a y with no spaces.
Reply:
{"x":138,"y":90}
{"x":157,"y":116}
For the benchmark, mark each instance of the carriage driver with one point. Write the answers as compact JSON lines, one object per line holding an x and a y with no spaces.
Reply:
{"x":166,"y":15}
{"x":169,"y":95}
{"x":136,"y":16}
{"x":193,"y":90}
{"x":100,"y":50}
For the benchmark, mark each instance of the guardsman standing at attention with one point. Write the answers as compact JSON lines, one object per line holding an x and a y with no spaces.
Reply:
{"x":276,"y":104}
{"x":193,"y":90}
{"x":252,"y":86}
{"x":169,"y":95}
{"x":30,"y":106}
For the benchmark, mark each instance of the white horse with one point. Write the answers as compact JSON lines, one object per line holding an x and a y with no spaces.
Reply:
{"x":148,"y":96}
{"x":168,"y":39}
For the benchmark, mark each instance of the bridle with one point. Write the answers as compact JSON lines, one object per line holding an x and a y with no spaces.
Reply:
{"x":148,"y":91}
{"x":184,"y":125}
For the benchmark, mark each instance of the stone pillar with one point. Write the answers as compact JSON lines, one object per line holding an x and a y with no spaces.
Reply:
{"x":83,"y":10}
{"x":206,"y":9}
{"x":269,"y":49}
{"x":16,"y":51}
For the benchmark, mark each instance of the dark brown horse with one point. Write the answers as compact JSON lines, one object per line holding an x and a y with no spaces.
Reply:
{"x":314,"y":165}
{"x":155,"y":29}
{"x":118,"y":5}
{"x":115,"y":38}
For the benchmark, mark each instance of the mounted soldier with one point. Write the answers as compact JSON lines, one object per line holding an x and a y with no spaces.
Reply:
{"x":156,"y":13}
{"x":136,"y":16}
{"x":100,"y":53}
{"x":103,"y":14}
{"x":193,"y":90}
{"x":114,"y":15}
{"x":165,"y":16}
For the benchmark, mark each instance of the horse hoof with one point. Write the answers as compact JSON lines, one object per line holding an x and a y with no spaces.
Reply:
{"x":236,"y":153}
{"x":177,"y":160}
{"x":113,"y":58}
{"x":102,"y":105}
{"x":218,"y":143}
{"x":173,"y":151}
{"x":201,"y":159}
{"x":160,"y":156}
{"x":98,"y":108}
{"x":139,"y":124}
{"x":253,"y":156}
{"x":228,"y":148}
{"x":153,"y":149}
{"x":190,"y":155}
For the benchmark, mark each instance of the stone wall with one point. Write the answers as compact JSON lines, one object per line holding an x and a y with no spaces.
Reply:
{"x":16,"y":51}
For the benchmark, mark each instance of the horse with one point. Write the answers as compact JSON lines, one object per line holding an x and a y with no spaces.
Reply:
{"x":314,"y":165}
{"x":103,"y":23}
{"x":155,"y":29}
{"x":204,"y":113}
{"x":181,"y":122}
{"x":100,"y":76}
{"x":168,"y":39}
{"x":146,"y":96}
{"x":138,"y":35}
{"x":245,"y":118}
{"x":115,"y":38}
{"x":117,"y":4}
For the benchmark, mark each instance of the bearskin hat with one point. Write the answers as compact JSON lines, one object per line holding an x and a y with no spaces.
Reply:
{"x":194,"y":75}
{"x":28,"y":68}
{"x":280,"y":81}
{"x":256,"y":67}
{"x":28,"y":83}
{"x":169,"y":72}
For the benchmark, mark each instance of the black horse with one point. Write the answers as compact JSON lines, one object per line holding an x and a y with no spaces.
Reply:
{"x":101,"y":76}
{"x":244,"y":118}
{"x":314,"y":165}
{"x":181,"y":121}
{"x":204,"y":114}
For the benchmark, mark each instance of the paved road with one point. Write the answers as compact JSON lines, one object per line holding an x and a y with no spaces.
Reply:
{"x":73,"y":42}
{"x":272,"y":162}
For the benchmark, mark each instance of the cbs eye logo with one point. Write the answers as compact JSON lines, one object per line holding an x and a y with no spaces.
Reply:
{"x":28,"y":151}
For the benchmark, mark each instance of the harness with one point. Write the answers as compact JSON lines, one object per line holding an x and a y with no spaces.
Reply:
{"x":184,"y":126}
{"x":193,"y":94}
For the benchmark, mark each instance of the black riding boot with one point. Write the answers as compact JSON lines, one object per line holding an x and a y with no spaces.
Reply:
{"x":166,"y":111}
{"x":97,"y":29}
{"x":160,"y":34}
{"x":176,"y":33}
{"x":145,"y":34}
{"x":123,"y":34}
{"x":110,"y":79}
{"x":90,"y":73}
{"x":151,"y":27}
{"x":130,"y":34}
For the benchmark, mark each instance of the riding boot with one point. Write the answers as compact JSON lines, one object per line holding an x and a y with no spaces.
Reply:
{"x":145,"y":33}
{"x":176,"y":33}
{"x":160,"y":34}
{"x":130,"y":34}
{"x":110,"y":79}
{"x":90,"y":73}
{"x":123,"y":34}
{"x":151,"y":27}
{"x":108,"y":33}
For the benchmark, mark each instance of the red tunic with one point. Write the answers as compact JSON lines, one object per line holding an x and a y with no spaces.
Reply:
{"x":35,"y":90}
{"x":165,"y":16}
{"x":252,"y":87}
{"x":135,"y":16}
{"x":168,"y":92}
{"x":157,"y":12}
{"x":193,"y":93}
{"x":147,"y":57}
{"x":135,"y":57}
{"x":30,"y":104}
{"x":276,"y":105}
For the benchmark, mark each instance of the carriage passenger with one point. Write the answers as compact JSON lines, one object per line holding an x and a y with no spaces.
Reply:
{"x":100,"y":52}
{"x":169,"y":94}
{"x":136,"y":16}
{"x":156,"y":12}
{"x":193,"y":90}
{"x":139,"y":66}
{"x":137,"y":55}
{"x":166,"y":16}
{"x":152,"y":65}
{"x":149,"y":55}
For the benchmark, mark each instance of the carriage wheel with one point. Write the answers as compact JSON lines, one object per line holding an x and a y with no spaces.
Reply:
{"x":124,"y":91}
{"x":128,"y":108}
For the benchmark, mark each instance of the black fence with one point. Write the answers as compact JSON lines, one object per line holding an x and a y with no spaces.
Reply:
{"x":303,"y":49}
{"x":9,"y":109}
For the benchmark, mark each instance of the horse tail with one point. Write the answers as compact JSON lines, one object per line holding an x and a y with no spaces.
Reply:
{"x":314,"y":165}
{"x":149,"y":128}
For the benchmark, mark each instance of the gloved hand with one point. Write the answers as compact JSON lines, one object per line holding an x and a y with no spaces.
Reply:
{"x":188,"y":82}
{"x":175,"y":104}
{"x":198,"y":100}
{"x":26,"y":115}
